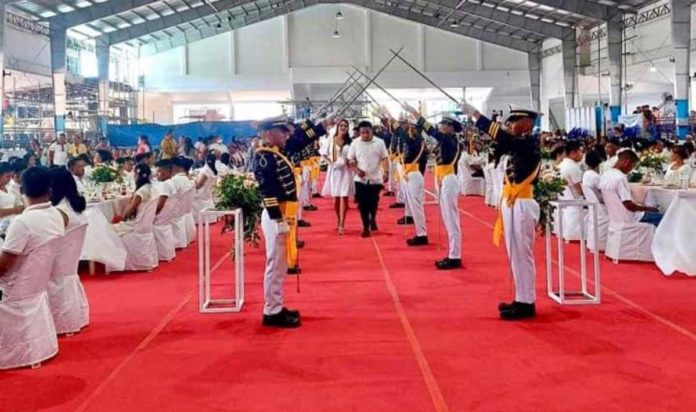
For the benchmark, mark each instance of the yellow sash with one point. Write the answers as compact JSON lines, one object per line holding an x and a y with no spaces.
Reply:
{"x":444,"y":170}
{"x":413,"y":167}
{"x":512,"y":192}
{"x":289,"y":210}
{"x":314,"y":174}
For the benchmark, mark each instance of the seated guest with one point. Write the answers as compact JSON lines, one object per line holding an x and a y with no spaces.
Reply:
{"x":65,"y":196}
{"x":590,"y":179}
{"x":30,"y":160}
{"x":88,"y":165}
{"x":38,"y":224}
{"x":77,"y":168}
{"x":569,"y":169}
{"x":617,"y":194}
{"x":223,"y":165}
{"x":144,"y":192}
{"x":146,"y":158}
{"x":9,"y":207}
{"x":127,"y":164}
{"x":103,"y":157}
{"x":205,"y":182}
{"x":181,"y":167}
{"x":164,"y":186}
{"x":13,"y":187}
{"x":678,"y":168}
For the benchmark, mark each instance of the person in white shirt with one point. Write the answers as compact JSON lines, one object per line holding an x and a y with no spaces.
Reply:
{"x":181,"y":167}
{"x":39,"y":224}
{"x":611,"y":148}
{"x":164,"y":186}
{"x":58,"y":152}
{"x":678,"y":169}
{"x":9,"y":207}
{"x":223,"y":164}
{"x":590,"y":179}
{"x":219,"y":146}
{"x":367,"y":155}
{"x":144,"y":192}
{"x":127,"y":165}
{"x":617,"y":194}
{"x":570,"y":170}
{"x":66,"y":198}
{"x":77,"y":168}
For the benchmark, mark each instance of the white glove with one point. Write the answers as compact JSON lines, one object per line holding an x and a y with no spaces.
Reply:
{"x":467,"y":108}
{"x":282,"y":227}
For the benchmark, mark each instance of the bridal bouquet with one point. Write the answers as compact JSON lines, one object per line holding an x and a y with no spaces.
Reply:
{"x":238,"y":190}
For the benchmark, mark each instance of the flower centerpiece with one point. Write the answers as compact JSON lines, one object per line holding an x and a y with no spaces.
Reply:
{"x":240,"y":191}
{"x":546,"y":190}
{"x":653,"y":162}
{"x":105,"y":174}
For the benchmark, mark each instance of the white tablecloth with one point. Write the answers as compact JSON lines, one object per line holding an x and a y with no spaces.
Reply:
{"x":660,"y":197}
{"x":102,"y":244}
{"x":8,"y":153}
{"x":673,"y":246}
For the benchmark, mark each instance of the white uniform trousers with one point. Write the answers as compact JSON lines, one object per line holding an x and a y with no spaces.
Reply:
{"x":400,"y":186}
{"x":519,"y":223}
{"x":449,"y":197}
{"x":390,"y":178}
{"x":305,"y":189}
{"x":276,"y":265}
{"x":415,"y":197}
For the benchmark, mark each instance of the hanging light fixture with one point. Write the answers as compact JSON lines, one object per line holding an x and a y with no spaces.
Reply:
{"x":339,"y":15}
{"x":454,"y":24}
{"x":336,"y":34}
{"x":653,"y":69}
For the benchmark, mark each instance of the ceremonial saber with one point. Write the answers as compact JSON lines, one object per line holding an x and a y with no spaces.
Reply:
{"x":337,"y":94}
{"x":380,"y":87}
{"x":424,"y":76}
{"x":371,"y":80}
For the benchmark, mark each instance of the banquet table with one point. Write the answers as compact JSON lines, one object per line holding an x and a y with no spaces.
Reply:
{"x":102,"y":244}
{"x":673,"y":247}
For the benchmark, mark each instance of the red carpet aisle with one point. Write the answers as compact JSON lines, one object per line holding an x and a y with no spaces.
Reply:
{"x":382,"y":331}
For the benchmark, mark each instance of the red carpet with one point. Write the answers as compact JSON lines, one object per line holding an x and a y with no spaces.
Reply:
{"x":382,"y":331}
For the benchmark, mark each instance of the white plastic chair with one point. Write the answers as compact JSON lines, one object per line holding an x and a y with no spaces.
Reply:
{"x":141,"y":249}
{"x":180,"y":229}
{"x":162,"y":229}
{"x":27,"y":332}
{"x":593,"y":244}
{"x":626,"y":239}
{"x":471,"y":185}
{"x":66,"y":295}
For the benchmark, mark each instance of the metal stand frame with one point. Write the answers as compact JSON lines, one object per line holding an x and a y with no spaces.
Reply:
{"x":562,"y":295}
{"x":206,"y":303}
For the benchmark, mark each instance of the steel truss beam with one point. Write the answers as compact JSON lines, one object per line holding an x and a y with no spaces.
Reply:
{"x":290,"y":6}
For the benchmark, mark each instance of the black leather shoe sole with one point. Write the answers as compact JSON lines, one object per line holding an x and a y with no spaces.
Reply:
{"x":397,"y":206}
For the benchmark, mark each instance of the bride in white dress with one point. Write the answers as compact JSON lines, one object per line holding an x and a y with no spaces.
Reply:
{"x":339,"y":180}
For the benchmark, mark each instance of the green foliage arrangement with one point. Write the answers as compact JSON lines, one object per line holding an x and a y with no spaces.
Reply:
{"x":635,"y":176}
{"x":653,"y":161}
{"x":239,"y":191}
{"x":105,"y":174}
{"x":546,"y":190}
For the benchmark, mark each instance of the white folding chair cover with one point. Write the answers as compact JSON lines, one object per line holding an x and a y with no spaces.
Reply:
{"x":203,"y":198}
{"x":102,"y":244}
{"x":571,"y":219}
{"x":179,"y":228}
{"x":602,"y":222}
{"x":66,"y":295}
{"x":162,"y":229}
{"x":626,"y":240}
{"x":27,"y":331}
{"x":141,"y":249}
{"x":673,"y":245}
{"x":488,"y":178}
{"x":471,"y":185}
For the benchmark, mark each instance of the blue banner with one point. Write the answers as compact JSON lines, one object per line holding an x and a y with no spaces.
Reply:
{"x":127,"y":135}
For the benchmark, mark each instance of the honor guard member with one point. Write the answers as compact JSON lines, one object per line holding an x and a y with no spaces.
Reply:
{"x":519,"y":212}
{"x":274,"y":174}
{"x":414,"y":153}
{"x":446,"y":178}
{"x":382,"y":131}
{"x":316,"y":170}
{"x":396,"y":171}
{"x":299,"y":149}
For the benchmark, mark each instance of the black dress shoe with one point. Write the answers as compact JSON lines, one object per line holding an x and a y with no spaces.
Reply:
{"x":448,"y":263}
{"x":506,"y":306}
{"x":294,"y":271}
{"x":406,"y":220}
{"x":518,"y":311}
{"x":373,"y":226}
{"x":282,"y":319}
{"x":310,"y":208}
{"x":303,"y":223}
{"x":291,"y":311}
{"x":389,"y":194}
{"x":316,"y":196}
{"x":397,"y":205}
{"x":300,"y":244}
{"x":365,"y":233}
{"x":417,"y":241}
